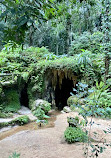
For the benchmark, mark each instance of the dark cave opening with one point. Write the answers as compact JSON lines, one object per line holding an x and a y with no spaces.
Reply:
{"x":63,"y":93}
{"x":24,"y":101}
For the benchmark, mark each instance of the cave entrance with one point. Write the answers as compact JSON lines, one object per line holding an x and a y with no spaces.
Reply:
{"x":63,"y":93}
{"x":24,"y":101}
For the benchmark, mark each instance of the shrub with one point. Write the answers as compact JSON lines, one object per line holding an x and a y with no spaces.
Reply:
{"x":101,"y":95}
{"x":45,"y":106}
{"x":73,"y":134}
{"x":73,"y":122}
{"x":41,"y":104}
{"x":21,"y":120}
{"x":40,"y":109}
{"x":108,"y":111}
{"x":39,"y":113}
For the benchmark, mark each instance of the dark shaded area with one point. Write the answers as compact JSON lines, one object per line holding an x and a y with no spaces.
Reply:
{"x":24,"y":97}
{"x":63,"y":93}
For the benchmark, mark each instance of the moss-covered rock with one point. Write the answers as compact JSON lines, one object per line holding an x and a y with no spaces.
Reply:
{"x":5,"y":115}
{"x":17,"y":121}
{"x":21,"y":120}
{"x":11,"y":102}
{"x":67,"y":109}
{"x":43,"y":104}
{"x":72,"y":100}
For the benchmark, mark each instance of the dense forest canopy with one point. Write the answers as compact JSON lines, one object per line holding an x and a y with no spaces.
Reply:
{"x":63,"y":26}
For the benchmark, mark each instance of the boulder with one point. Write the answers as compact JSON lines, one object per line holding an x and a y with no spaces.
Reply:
{"x":43,"y":104}
{"x":38,"y":102}
{"x":72,"y":100}
{"x":67,"y":109}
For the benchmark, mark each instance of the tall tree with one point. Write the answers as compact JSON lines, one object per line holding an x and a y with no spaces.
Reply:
{"x":107,"y":40}
{"x":20,"y":15}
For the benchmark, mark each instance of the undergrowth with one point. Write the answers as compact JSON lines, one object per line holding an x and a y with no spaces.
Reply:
{"x":75,"y":134}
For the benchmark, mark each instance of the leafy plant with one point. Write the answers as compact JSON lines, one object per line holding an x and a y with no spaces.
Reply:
{"x":40,"y":111}
{"x":21,"y":120}
{"x":17,"y":121}
{"x":46,"y":107}
{"x":73,"y":122}
{"x":73,"y":134}
{"x":87,"y":41}
{"x":15,"y":155}
{"x":100,"y":95}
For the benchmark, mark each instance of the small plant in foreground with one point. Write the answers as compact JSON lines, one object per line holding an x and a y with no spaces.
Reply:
{"x":15,"y":155}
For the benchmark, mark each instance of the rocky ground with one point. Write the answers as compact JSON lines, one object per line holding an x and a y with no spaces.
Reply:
{"x":48,"y":142}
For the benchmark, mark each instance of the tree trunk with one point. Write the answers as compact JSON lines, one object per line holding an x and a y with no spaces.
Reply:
{"x":31,"y":36}
{"x":68,"y":29}
{"x":106,"y":38}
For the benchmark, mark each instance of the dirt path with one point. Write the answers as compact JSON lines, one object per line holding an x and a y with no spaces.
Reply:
{"x":49,"y":142}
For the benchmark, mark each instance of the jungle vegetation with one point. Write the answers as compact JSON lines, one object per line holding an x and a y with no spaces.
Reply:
{"x":73,"y":36}
{"x":36,"y":35}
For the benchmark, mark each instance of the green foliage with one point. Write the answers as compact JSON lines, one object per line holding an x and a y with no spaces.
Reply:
{"x":72,"y":100}
{"x":45,"y":106}
{"x":92,"y":109}
{"x":11,"y":103}
{"x":5,"y":115}
{"x":31,"y":96}
{"x":100,"y":95}
{"x":22,"y":15}
{"x":21,"y":120}
{"x":73,"y":122}
{"x":15,"y":155}
{"x":39,"y":113}
{"x":70,"y":63}
{"x":73,"y":135}
{"x":19,"y":60}
{"x":86,"y":41}
{"x":97,"y":101}
{"x":103,"y":112}
{"x":25,"y":76}
{"x":41,"y":110}
{"x":17,"y":121}
{"x":1,"y":90}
